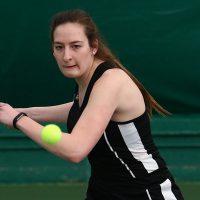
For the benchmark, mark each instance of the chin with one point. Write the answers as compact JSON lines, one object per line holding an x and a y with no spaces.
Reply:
{"x":70,"y":75}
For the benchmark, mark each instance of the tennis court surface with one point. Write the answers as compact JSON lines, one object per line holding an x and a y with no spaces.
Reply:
{"x":71,"y":191}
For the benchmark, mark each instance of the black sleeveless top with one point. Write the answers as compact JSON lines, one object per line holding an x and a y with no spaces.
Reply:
{"x":125,"y":155}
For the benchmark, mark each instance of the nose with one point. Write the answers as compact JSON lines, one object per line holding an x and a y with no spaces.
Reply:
{"x":67,"y":55}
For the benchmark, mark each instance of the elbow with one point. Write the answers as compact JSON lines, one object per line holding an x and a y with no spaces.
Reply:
{"x":75,"y":160}
{"x":75,"y":157}
{"x":73,"y":152}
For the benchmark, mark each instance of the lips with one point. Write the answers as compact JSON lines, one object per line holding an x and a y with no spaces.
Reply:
{"x":70,"y":66}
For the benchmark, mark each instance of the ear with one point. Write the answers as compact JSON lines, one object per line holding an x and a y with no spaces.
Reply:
{"x":94,"y":47}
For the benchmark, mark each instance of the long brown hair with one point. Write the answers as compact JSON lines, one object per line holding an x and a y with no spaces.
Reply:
{"x":103,"y":52}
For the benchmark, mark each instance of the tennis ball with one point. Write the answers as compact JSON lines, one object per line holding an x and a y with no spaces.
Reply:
{"x":51,"y":134}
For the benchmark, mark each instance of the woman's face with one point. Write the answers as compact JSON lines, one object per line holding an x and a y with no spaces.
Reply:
{"x":72,"y":51}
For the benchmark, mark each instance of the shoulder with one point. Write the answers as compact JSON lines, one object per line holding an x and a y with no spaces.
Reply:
{"x":108,"y":88}
{"x":114,"y":77}
{"x":111,"y":87}
{"x":115,"y":72}
{"x":116,"y":80}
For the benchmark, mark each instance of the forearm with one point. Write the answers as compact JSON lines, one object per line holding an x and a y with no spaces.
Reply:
{"x":35,"y":113}
{"x":56,"y":114}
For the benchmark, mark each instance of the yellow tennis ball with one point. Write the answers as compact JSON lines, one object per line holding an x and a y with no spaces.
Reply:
{"x":51,"y":134}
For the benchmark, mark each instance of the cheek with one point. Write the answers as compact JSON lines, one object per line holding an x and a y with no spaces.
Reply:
{"x":86,"y":59}
{"x":86,"y":51}
{"x":87,"y":55}
{"x":58,"y":60}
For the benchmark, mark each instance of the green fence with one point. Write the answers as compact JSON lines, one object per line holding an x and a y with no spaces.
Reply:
{"x":22,"y":161}
{"x":158,"y":41}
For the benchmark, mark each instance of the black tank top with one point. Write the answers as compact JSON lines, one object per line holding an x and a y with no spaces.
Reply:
{"x":126,"y":151}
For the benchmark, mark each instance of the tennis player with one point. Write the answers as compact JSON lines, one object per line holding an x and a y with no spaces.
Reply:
{"x":108,"y":119}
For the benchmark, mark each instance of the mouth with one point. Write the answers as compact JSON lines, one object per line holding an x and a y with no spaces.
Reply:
{"x":70,"y":66}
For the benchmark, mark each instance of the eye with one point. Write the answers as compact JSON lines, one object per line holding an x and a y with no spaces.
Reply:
{"x":58,"y":47}
{"x":76,"y":46}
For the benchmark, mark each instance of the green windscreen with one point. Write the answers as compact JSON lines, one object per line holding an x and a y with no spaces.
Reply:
{"x":158,"y":41}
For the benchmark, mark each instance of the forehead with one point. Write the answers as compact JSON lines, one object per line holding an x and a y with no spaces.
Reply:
{"x":69,"y":32}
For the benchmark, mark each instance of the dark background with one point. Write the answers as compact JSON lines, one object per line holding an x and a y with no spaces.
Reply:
{"x":157,"y":40}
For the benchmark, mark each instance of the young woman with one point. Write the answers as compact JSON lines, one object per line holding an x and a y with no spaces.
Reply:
{"x":108,"y":118}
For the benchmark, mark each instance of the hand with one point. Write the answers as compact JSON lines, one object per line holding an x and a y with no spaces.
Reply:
{"x":7,"y":114}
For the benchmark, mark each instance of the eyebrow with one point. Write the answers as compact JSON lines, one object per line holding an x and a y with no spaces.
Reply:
{"x":73,"y":42}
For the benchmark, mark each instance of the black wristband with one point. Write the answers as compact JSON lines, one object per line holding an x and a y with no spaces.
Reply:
{"x":17,"y":118}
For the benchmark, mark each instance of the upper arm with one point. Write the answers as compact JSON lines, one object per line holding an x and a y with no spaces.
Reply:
{"x":102,"y":104}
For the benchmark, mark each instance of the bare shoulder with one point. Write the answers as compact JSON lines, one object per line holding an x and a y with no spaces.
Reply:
{"x":114,"y":85}
{"x":116,"y":72}
{"x":125,"y":92}
{"x":115,"y":82}
{"x":108,"y":88}
{"x":115,"y":77}
{"x":118,"y":79}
